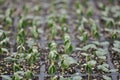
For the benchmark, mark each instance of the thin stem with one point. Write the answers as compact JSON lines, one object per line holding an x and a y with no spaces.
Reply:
{"x":62,"y":71}
{"x":88,"y":76}
{"x":51,"y":78}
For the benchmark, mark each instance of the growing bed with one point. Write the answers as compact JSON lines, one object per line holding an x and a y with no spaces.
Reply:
{"x":59,"y":40}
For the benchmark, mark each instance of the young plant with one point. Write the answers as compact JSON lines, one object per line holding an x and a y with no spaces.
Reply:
{"x":3,"y":43}
{"x":66,"y":61}
{"x":32,"y":56}
{"x":62,"y":18}
{"x":28,"y":75}
{"x":89,"y":12}
{"x":36,"y":8}
{"x":34,"y":30}
{"x":7,"y":17}
{"x":79,"y":8}
{"x":101,"y":54}
{"x":83,"y":37}
{"x":21,"y":37}
{"x":22,"y":23}
{"x":26,"y":8}
{"x":3,"y":38}
{"x":52,"y":25}
{"x":68,"y":48}
{"x":64,"y":29}
{"x":113,"y":33}
{"x":94,"y":29}
{"x":18,"y":75}
{"x":103,"y":67}
{"x":116,"y":47}
{"x":89,"y":64}
{"x":53,"y":57}
{"x":109,"y":22}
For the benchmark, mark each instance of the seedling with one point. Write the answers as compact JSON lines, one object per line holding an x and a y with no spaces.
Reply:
{"x":53,"y":56}
{"x":28,"y":75}
{"x":34,"y":30}
{"x":83,"y":37}
{"x":102,"y":6}
{"x":32,"y":56}
{"x":89,"y":63}
{"x":52,"y":25}
{"x":116,"y":47}
{"x":81,"y":29}
{"x":88,"y":66}
{"x":79,"y":8}
{"x":64,"y":28}
{"x":103,"y":67}
{"x":3,"y":38}
{"x":109,"y":21}
{"x":7,"y":17}
{"x":66,"y":61}
{"x":26,"y":8}
{"x":113,"y":33}
{"x":16,"y":76}
{"x":21,"y":37}
{"x":62,"y":18}
{"x":36,"y":8}
{"x":101,"y":54}
{"x":89,"y":12}
{"x":22,"y":23}
{"x":68,"y":48}
{"x":94,"y":28}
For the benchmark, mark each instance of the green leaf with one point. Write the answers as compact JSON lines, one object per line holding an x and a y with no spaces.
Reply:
{"x":89,"y":12}
{"x":101,"y":52}
{"x":116,"y":49}
{"x":8,"y":20}
{"x":16,"y":67}
{"x":84,"y":54}
{"x":10,"y":59}
{"x":28,"y":75}
{"x":106,"y":77}
{"x":2,"y":36}
{"x":4,"y":50}
{"x":52,"y":69}
{"x":16,"y":77}
{"x":6,"y":77}
{"x":103,"y":68}
{"x":34,"y":31}
{"x":76,"y":77}
{"x":92,"y":62}
{"x":113,"y":70}
{"x":67,"y":61}
{"x":53,"y":31}
{"x":89,"y":46}
{"x":53,"y":55}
